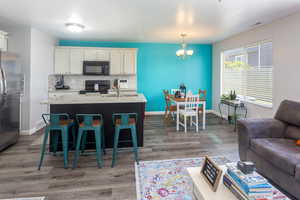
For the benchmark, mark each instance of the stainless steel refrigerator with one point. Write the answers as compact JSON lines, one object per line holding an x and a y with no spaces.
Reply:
{"x":10,"y":91}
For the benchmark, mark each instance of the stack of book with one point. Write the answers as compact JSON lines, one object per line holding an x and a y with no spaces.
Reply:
{"x":247,"y":186}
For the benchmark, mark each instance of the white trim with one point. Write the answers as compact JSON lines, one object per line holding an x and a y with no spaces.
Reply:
{"x":163,"y":112}
{"x":39,"y":125}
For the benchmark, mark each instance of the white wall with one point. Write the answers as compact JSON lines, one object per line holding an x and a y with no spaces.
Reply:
{"x":285,"y":34}
{"x":41,"y":65}
{"x":36,"y":54}
{"x":19,"y":43}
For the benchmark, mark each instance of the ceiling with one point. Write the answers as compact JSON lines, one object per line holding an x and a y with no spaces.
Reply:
{"x":205,"y":21}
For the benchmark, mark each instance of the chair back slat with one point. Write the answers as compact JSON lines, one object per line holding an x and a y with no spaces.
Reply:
{"x":202,"y":94}
{"x":54,"y":119}
{"x":167,"y":98}
{"x":192,"y":102}
{"x":124,"y":119}
{"x":88,"y":120}
{"x":173,"y":91}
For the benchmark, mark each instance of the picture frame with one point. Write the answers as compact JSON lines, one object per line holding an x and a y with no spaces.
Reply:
{"x":211,"y":173}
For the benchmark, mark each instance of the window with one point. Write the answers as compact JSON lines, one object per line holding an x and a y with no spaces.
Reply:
{"x":248,"y":71}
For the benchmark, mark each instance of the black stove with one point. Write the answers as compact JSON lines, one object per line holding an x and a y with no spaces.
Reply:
{"x":94,"y":86}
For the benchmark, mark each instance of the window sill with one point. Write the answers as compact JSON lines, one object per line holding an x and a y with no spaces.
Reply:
{"x":264,"y":105}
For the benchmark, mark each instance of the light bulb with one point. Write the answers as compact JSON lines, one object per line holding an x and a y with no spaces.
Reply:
{"x":189,"y":52}
{"x":74,"y":27}
{"x":180,"y":52}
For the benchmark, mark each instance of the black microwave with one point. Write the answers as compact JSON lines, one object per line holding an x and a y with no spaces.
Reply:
{"x":96,"y":68}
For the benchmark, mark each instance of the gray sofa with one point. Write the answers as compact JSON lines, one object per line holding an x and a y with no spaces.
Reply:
{"x":271,"y":145}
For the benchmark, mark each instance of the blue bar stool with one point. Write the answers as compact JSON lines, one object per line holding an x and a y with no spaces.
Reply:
{"x":90,"y":122}
{"x":125,"y":121}
{"x":57,"y":122}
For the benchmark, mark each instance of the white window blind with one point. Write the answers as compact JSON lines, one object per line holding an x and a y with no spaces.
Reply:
{"x":248,"y":71}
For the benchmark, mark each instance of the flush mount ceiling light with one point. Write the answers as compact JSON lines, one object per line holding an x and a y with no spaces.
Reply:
{"x":184,"y":52}
{"x":75,"y":27}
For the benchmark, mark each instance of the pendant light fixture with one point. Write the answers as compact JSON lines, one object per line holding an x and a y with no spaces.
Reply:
{"x":184,"y":52}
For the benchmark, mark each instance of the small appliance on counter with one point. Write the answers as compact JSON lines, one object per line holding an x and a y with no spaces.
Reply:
{"x":91,"y":86}
{"x":60,"y":83}
{"x":123,"y":83}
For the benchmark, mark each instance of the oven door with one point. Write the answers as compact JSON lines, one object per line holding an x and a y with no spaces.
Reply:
{"x":96,"y":68}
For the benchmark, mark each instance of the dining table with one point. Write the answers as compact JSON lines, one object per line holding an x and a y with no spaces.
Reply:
{"x":181,"y":101}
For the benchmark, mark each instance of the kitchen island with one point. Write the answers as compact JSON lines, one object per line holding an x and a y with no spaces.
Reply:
{"x":106,"y":105}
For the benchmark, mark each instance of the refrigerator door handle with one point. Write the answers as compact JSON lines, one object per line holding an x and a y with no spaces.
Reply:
{"x":1,"y":82}
{"x":2,"y":89}
{"x":4,"y":81}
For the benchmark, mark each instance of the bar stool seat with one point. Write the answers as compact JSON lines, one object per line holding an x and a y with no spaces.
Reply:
{"x":60,"y":123}
{"x":95,"y":123}
{"x":90,"y":123}
{"x":131,"y":121}
{"x":124,"y":121}
{"x":67,"y":122}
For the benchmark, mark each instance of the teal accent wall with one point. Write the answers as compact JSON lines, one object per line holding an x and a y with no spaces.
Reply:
{"x":158,"y":68}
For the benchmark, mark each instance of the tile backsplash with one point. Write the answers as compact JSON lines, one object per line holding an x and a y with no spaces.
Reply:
{"x":77,"y":82}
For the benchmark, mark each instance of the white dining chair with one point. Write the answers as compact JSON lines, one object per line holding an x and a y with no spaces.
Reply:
{"x":190,"y":109}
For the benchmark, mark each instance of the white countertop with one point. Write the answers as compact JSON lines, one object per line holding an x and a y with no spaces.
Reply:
{"x":76,"y":98}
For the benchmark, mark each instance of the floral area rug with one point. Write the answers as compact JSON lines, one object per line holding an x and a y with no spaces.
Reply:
{"x":167,"y":179}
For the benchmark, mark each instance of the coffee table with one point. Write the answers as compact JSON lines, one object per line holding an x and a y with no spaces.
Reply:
{"x":202,"y":191}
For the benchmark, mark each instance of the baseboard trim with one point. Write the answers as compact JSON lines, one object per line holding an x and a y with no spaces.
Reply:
{"x":39,"y":125}
{"x":163,"y":112}
{"x":155,"y":113}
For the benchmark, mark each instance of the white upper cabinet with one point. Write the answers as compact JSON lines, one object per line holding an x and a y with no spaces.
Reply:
{"x":116,"y":62}
{"x":102,"y":55}
{"x":76,"y":61}
{"x":96,"y":55}
{"x":3,"y":41}
{"x":129,"y":66}
{"x":62,"y":61}
{"x":69,"y":60}
{"x":90,"y":54}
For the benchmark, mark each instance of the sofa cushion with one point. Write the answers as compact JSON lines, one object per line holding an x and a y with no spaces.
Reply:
{"x":292,"y":132}
{"x":282,"y":153}
{"x":289,"y":112}
{"x":297,"y":176}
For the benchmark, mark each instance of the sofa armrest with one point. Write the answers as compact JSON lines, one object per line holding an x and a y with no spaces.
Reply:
{"x":257,"y":128}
